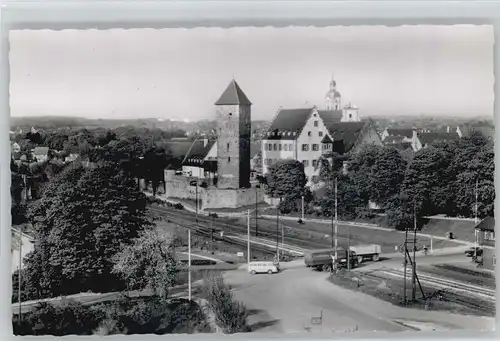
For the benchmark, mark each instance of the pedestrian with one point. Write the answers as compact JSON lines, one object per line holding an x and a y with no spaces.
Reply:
{"x":334,"y":263}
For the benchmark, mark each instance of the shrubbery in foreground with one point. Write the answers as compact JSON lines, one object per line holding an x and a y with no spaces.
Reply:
{"x":230,"y":315}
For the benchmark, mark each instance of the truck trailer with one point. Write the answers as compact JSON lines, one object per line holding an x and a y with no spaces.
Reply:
{"x":367,"y":252}
{"x":322,"y":259}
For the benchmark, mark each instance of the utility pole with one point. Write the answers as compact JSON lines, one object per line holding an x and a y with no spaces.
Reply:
{"x":19,"y":277}
{"x":349,"y":250}
{"x":196,"y":200}
{"x":248,"y":237}
{"x":414,"y":265}
{"x":283,"y":237}
{"x":405,"y":263}
{"x":475,"y":220}
{"x":277,"y":231}
{"x":336,"y":219}
{"x":189,"y":264}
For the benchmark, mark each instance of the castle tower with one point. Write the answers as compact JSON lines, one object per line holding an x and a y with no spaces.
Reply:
{"x":234,"y":129}
{"x":333,"y":98}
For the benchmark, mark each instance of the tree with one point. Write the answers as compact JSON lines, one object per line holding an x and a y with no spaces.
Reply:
{"x":286,"y":180}
{"x":149,"y":262}
{"x":386,"y":175}
{"x":82,"y":220}
{"x":426,"y":180}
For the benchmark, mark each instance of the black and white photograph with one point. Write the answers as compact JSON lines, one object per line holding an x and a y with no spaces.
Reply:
{"x":273,"y":180}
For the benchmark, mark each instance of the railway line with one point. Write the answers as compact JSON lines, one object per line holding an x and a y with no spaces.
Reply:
{"x":442,"y":283}
{"x":485,"y":307}
{"x":231,"y":235}
{"x":265,"y":235}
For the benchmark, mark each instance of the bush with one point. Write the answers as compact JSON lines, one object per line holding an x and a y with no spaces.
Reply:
{"x":213,"y":215}
{"x":68,"y":318}
{"x":301,"y":221}
{"x":230,"y":315}
{"x":179,"y":206}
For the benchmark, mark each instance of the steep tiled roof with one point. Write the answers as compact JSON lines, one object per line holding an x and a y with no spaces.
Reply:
{"x":429,"y":138}
{"x":488,"y":224}
{"x":330,"y":115}
{"x":348,"y":132}
{"x":179,"y":149}
{"x":288,"y":124}
{"x":394,"y":139}
{"x":198,"y":152}
{"x":408,"y":132}
{"x":233,"y":95}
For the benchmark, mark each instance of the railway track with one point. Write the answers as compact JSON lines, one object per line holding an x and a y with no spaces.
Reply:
{"x":298,"y":245}
{"x":478,"y":305}
{"x":442,"y":283}
{"x":231,"y":237}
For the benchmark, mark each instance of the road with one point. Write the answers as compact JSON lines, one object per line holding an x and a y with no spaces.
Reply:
{"x":285,"y":302}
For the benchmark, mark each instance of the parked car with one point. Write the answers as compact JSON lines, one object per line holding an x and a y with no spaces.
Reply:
{"x":474,"y":251}
{"x":262,"y":267}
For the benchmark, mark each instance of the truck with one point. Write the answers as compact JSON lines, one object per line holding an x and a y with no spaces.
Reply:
{"x":367,"y":252}
{"x":322,"y":259}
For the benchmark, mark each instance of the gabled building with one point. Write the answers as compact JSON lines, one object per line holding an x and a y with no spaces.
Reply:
{"x":308,"y":134}
{"x":41,"y":154}
{"x":201,"y":159}
{"x":14,"y":147}
{"x":485,"y":237}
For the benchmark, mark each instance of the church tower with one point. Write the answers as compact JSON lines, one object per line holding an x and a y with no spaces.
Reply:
{"x":333,"y":98}
{"x":234,"y":129}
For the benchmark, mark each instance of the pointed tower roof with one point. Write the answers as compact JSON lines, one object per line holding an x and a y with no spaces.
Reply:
{"x":233,"y":95}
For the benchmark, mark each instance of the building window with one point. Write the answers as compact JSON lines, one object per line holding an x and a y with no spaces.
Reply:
{"x":286,"y":146}
{"x":315,"y":147}
{"x":315,"y":123}
{"x":305,"y":163}
{"x":228,"y":159}
{"x":305,"y":147}
{"x":350,"y":115}
{"x":489,"y":235}
{"x":290,"y":148}
{"x":320,"y":133}
{"x":309,"y":133}
{"x":326,"y":146}
{"x":275,"y":147}
{"x":230,"y":114}
{"x":228,"y":147}
{"x":279,"y":147}
{"x":270,"y":147}
{"x":315,"y":163}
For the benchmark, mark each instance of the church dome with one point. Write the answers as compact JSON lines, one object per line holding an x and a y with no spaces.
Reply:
{"x":333,"y":94}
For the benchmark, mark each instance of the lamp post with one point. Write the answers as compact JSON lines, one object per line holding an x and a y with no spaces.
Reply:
{"x":277,"y":231}
{"x":302,"y":216}
{"x":475,"y":219}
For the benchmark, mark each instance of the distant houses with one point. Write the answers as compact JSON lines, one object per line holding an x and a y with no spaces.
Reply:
{"x":417,"y":139}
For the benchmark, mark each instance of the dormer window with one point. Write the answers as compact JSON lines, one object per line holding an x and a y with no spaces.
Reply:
{"x":230,"y":114}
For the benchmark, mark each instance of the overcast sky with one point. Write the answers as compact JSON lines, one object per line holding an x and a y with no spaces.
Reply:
{"x":180,"y":73}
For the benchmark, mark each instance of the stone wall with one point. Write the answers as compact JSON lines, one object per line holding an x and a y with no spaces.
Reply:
{"x":177,"y":186}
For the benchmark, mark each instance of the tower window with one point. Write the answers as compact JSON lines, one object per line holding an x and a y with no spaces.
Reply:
{"x":275,"y":147}
{"x":279,"y":147}
{"x":228,"y":159}
{"x":230,"y":114}
{"x":228,"y":147}
{"x":350,"y":115}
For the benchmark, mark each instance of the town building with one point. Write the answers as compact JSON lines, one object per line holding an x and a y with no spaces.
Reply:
{"x":485,"y":237}
{"x":306,"y":134}
{"x":14,"y":147}
{"x":466,"y":131}
{"x":41,"y":154}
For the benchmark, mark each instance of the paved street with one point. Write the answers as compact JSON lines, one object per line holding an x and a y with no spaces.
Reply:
{"x":287,"y":301}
